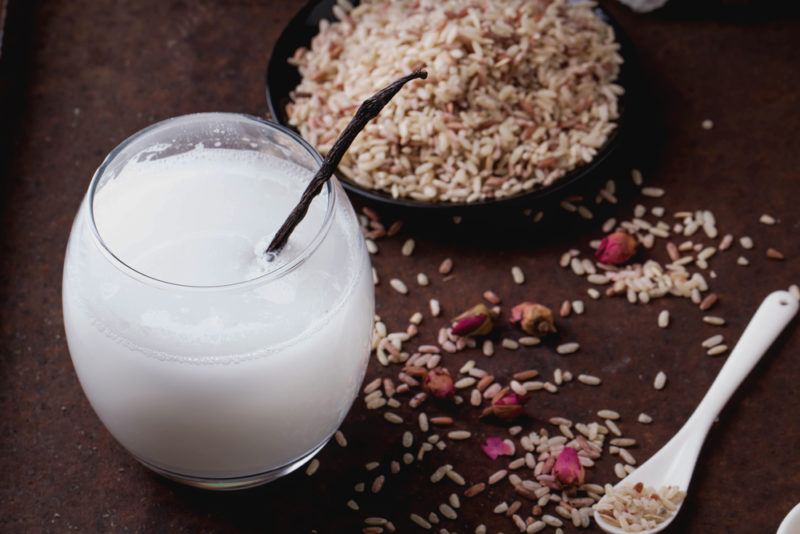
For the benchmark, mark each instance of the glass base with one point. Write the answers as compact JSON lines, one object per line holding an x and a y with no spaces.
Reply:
{"x":236,"y":483}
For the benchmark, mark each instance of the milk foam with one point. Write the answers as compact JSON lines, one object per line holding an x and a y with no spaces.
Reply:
{"x":204,"y":217}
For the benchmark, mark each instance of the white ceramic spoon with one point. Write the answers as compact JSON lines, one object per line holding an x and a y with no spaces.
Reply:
{"x":674,"y":463}
{"x":791,"y":523}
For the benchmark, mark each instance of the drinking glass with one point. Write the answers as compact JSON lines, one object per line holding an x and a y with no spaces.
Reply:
{"x":219,"y":386}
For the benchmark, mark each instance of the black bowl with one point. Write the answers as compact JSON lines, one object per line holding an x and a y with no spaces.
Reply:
{"x":282,"y":78}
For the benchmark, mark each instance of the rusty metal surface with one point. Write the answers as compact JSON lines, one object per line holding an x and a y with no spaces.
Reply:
{"x":93,"y":72}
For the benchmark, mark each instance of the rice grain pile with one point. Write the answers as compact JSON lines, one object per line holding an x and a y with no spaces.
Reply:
{"x":638,"y":508}
{"x":519,"y":93}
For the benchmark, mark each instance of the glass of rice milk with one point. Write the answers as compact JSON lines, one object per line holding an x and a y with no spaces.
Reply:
{"x":212,"y":365}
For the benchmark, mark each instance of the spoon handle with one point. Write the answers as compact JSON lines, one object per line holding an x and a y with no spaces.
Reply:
{"x":769,"y":320}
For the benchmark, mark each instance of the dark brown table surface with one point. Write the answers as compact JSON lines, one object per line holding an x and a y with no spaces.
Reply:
{"x":79,"y":76}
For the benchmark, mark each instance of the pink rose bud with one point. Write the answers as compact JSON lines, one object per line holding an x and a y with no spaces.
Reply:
{"x":616,"y":248}
{"x":568,"y":469}
{"x":439,"y":383}
{"x":495,"y":447}
{"x":477,"y":321}
{"x":506,"y":405}
{"x":508,"y":399}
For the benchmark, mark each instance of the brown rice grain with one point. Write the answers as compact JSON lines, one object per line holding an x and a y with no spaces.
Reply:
{"x":312,"y":467}
{"x":712,"y":341}
{"x":446,"y":266}
{"x":626,"y":456}
{"x":423,"y":421}
{"x":525,"y":375}
{"x":589,"y":380}
{"x":398,"y":286}
{"x":497,"y":476}
{"x":491,"y":297}
{"x":517,"y":463}
{"x":552,"y":520}
{"x":408,"y":247}
{"x":619,"y":470}
{"x":612,"y":427}
{"x":393,"y":418}
{"x":447,"y":511}
{"x":708,"y":301}
{"x":608,"y":414}
{"x":717,"y":350}
{"x":653,"y":192}
{"x":454,"y":501}
{"x":475,"y":489}
{"x":568,"y":348}
{"x":440,"y":473}
{"x":454,"y":475}
{"x":501,"y":508}
{"x":420,"y":521}
{"x":794,"y":289}
{"x":660,"y":380}
{"x":517,"y":275}
{"x":465,"y":382}
{"x":775,"y":254}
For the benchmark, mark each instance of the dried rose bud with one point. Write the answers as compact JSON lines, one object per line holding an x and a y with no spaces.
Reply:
{"x":506,"y":405}
{"x":509,"y":399}
{"x":439,"y":383}
{"x":568,"y":469}
{"x":495,"y":447}
{"x":534,"y":319}
{"x":477,"y":321}
{"x":616,"y":248}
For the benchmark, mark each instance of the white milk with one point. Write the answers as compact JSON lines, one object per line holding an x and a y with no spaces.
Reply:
{"x":216,"y":382}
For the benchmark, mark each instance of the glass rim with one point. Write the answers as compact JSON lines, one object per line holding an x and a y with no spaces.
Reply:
{"x":265,"y":277}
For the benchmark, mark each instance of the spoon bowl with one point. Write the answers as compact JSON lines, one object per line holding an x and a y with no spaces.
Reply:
{"x":791,"y":523}
{"x":674,"y":464}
